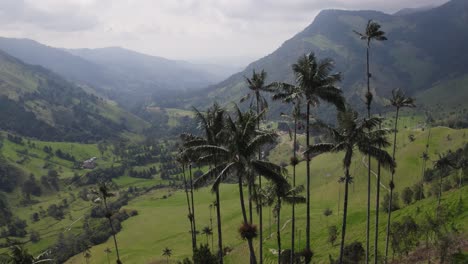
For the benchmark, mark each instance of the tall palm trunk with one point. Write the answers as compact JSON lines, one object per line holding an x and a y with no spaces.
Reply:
{"x":260,"y":210}
{"x":113,"y":230}
{"x":369,"y":101}
{"x":345,"y":214}
{"x":293,"y":223}
{"x":278,"y":228}
{"x":377,"y":212}
{"x":193,"y":207}
{"x":253,"y":259}
{"x":308,"y":258}
{"x":220,"y":232}
{"x":189,"y":208}
{"x":392,"y":186}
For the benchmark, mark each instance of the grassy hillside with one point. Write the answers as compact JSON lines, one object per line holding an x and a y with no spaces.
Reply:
{"x":162,"y":222}
{"x":413,"y":58}
{"x":38,"y":103}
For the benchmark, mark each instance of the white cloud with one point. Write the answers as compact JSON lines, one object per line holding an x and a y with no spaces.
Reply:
{"x":180,"y":29}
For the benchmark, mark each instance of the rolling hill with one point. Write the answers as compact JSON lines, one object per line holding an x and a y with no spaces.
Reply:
{"x":38,"y":103}
{"x":423,"y":48}
{"x":123,"y":75}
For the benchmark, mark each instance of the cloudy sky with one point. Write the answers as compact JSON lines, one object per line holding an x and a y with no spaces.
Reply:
{"x":220,"y":31}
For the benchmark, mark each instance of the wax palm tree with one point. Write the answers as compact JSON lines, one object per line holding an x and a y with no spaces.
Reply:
{"x":399,"y":100}
{"x":105,"y":194}
{"x":372,"y":33}
{"x":238,"y":158}
{"x":316,"y":83}
{"x":285,"y":194}
{"x":354,"y":134}
{"x":167,"y":252}
{"x":213,"y":125}
{"x":182,"y":159}
{"x":290,"y":93}
{"x":256,"y":85}
{"x":207,"y":231}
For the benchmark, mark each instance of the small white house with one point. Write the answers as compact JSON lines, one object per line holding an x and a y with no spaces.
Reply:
{"x":89,"y":164}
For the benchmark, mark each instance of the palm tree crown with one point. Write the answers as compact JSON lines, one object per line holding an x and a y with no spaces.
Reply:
{"x":373,"y":32}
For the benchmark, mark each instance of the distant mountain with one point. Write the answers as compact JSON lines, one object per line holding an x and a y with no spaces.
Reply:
{"x":150,"y":72}
{"x":38,"y":103}
{"x":423,"y":48}
{"x":121,"y":74}
{"x":409,"y":11}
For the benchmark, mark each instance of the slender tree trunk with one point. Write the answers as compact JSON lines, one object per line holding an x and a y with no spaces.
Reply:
{"x":278,"y":229}
{"x":377,"y":212}
{"x":193,"y":207}
{"x":220,"y":232}
{"x":440,"y":194}
{"x":368,"y":159}
{"x":260,"y":210}
{"x":253,"y":259}
{"x":113,"y":231}
{"x":392,"y":185}
{"x":293,"y":223}
{"x":189,"y":209}
{"x":108,"y":260}
{"x":308,"y":258}
{"x":345,"y":213}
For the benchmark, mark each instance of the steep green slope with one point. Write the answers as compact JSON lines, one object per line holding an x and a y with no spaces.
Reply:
{"x":162,"y":222}
{"x":422,"y":48}
{"x":38,"y":103}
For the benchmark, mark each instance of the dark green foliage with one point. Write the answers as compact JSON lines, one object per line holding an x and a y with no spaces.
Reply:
{"x":17,"y":228}
{"x":63,"y":155}
{"x":418,"y":191}
{"x":5,"y":210}
{"x":353,"y":253}
{"x":31,"y":187}
{"x":9,"y":175}
{"x":332,"y":234}
{"x":56,"y":211}
{"x":407,"y":195}
{"x":395,"y":204}
{"x":34,"y":236}
{"x":203,"y":255}
{"x":404,"y":235}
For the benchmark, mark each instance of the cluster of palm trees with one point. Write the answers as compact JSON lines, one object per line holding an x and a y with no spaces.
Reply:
{"x":231,"y":146}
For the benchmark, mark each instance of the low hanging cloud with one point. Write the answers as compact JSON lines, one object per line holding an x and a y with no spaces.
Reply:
{"x":180,"y":29}
{"x":46,"y":15}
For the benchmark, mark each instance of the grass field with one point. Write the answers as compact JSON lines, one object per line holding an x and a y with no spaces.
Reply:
{"x":163,"y":223}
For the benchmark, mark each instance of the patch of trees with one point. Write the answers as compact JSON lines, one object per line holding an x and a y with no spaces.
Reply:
{"x":99,"y":212}
{"x":145,"y":174}
{"x":15,"y":139}
{"x":96,"y":231}
{"x":101,"y":175}
{"x":51,"y":180}
{"x":5,"y":210}
{"x":31,"y":187}
{"x":9,"y":175}
{"x":57,"y":211}
{"x":65,"y":156}
{"x":16,"y":227}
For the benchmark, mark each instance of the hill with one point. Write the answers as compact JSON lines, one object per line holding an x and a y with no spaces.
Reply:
{"x":423,"y":48}
{"x":38,"y":103}
{"x":162,"y":221}
{"x":124,"y":75}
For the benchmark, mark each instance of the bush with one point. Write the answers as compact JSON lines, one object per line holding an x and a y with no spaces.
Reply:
{"x":394,"y":205}
{"x":332,"y":234}
{"x":418,"y":191}
{"x":34,"y":236}
{"x":353,"y":253}
{"x":407,"y":195}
